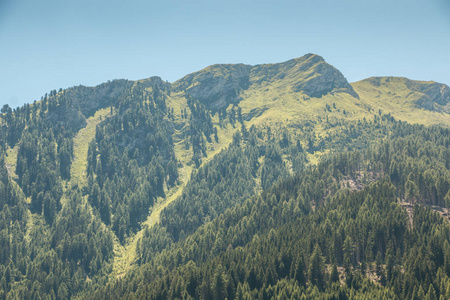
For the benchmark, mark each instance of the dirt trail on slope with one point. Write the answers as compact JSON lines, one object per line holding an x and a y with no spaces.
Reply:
{"x":409,"y":210}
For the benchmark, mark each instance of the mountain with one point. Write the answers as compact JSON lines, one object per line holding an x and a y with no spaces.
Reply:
{"x":220,"y":85}
{"x":150,"y":189}
{"x":408,"y":99}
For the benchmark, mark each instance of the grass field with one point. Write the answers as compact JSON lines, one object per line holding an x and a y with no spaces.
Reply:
{"x":11,"y":161}
{"x":125,"y":255}
{"x":81,"y":145}
{"x":393,"y":96}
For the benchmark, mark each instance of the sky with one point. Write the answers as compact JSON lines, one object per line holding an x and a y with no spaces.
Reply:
{"x":52,"y":44}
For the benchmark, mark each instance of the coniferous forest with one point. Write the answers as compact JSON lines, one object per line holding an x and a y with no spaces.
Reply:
{"x":215,"y":187}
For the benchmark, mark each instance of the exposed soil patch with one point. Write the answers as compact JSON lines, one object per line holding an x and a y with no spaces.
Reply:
{"x":444,"y":212}
{"x":358,"y":181}
{"x":410,"y":210}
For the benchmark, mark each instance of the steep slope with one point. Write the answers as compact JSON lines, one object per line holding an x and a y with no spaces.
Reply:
{"x":81,"y":102}
{"x":316,"y":235}
{"x":81,"y":145}
{"x":141,"y":166}
{"x":301,"y":92}
{"x":218,"y":86}
{"x":425,"y":102}
{"x":309,"y":74}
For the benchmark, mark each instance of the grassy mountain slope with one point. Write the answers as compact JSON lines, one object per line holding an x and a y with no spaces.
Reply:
{"x":132,"y":158}
{"x":309,"y":91}
{"x":81,"y":144}
{"x":218,"y":86}
{"x":423,"y":102}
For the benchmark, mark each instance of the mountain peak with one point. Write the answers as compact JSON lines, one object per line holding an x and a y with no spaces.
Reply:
{"x":317,"y":78}
{"x":312,"y":56}
{"x":218,"y":86}
{"x":310,"y":74}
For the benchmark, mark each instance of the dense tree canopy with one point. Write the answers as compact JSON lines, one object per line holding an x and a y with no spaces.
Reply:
{"x":356,"y":210}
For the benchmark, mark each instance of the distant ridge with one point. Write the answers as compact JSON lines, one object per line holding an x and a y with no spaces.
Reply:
{"x":428,"y":95}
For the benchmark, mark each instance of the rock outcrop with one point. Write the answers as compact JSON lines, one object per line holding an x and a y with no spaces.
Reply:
{"x":309,"y":74}
{"x":218,"y":86}
{"x":436,"y":96}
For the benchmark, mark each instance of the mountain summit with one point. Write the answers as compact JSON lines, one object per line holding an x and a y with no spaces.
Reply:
{"x":149,"y":189}
{"x":217,"y":86}
{"x":309,"y":74}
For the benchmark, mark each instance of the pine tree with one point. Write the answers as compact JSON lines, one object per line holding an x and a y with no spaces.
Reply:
{"x":316,"y":268}
{"x":334,"y":276}
{"x":431,"y":295}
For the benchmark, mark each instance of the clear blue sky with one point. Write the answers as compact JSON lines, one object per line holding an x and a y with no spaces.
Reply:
{"x":52,"y":44}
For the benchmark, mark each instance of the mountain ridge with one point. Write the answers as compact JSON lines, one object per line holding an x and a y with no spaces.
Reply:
{"x":309,"y":74}
{"x":431,"y":95}
{"x":129,"y":177}
{"x":220,"y":85}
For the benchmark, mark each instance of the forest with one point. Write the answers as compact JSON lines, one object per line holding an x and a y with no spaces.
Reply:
{"x":144,"y":190}
{"x":311,"y":235}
